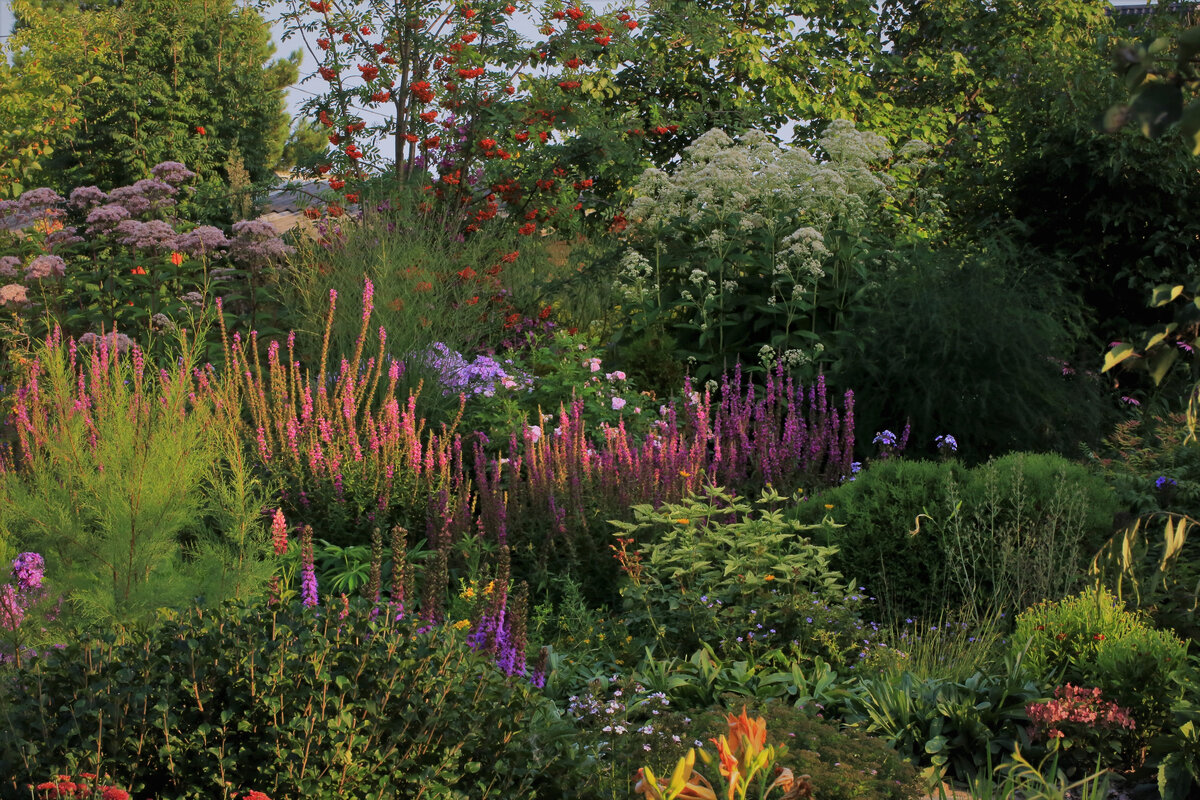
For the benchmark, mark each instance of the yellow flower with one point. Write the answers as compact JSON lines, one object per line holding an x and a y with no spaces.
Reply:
{"x":828,"y":506}
{"x":684,"y":474}
{"x":682,"y":521}
{"x":769,"y":578}
{"x":462,"y":623}
{"x":492,"y":584}
{"x":467,"y":593}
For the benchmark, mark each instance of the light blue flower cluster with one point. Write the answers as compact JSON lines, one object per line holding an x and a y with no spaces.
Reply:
{"x":946,"y":443}
{"x":886,"y":438}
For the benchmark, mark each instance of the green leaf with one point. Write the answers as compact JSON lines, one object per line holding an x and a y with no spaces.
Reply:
{"x":1156,"y":107}
{"x":1117,"y":355}
{"x":1161,"y":362}
{"x":1164,"y":294}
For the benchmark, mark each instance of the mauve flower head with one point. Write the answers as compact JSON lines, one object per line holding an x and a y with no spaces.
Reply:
{"x":106,"y":217}
{"x":28,"y":569}
{"x":201,"y":241}
{"x":87,"y":197}
{"x":192,"y":298}
{"x":39,"y":199}
{"x":63,"y":236}
{"x":9,"y":266}
{"x":256,"y":244}
{"x":117,"y":342}
{"x":172,"y":172}
{"x":153,"y":235}
{"x":44,"y":267}
{"x":148,"y":194}
{"x":13,"y":294}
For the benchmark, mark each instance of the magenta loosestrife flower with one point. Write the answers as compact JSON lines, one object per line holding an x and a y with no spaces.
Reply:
{"x":28,"y":569}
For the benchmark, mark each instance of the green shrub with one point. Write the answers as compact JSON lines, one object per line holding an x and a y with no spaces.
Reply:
{"x":721,"y":570}
{"x":974,"y":344}
{"x":288,"y":701}
{"x":926,"y":537}
{"x":1090,"y":640}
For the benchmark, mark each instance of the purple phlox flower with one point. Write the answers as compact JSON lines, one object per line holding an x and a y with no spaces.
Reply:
{"x":886,"y":438}
{"x":946,"y":443}
{"x":28,"y":570}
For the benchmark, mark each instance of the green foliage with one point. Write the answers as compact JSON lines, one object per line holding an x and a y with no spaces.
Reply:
{"x":716,"y":568}
{"x":974,"y":343}
{"x":936,"y":536}
{"x":282,"y":699}
{"x":949,"y":727}
{"x":118,"y":475}
{"x":748,"y":252}
{"x":1090,"y":640}
{"x":1150,"y":461}
{"x":185,"y":81}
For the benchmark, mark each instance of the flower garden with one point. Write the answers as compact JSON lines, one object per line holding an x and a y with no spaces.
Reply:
{"x":587,"y":437}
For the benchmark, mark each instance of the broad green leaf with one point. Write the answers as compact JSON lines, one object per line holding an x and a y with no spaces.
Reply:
{"x":1164,"y":293}
{"x":1117,"y":355}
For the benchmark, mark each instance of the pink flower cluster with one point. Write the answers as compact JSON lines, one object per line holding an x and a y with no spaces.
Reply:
{"x":1079,"y":705}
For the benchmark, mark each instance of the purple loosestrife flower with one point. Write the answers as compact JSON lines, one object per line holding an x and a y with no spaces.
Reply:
{"x":308,"y":574}
{"x":12,"y":608}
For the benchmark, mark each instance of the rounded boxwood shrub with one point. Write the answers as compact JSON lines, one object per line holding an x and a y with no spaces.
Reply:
{"x":928,"y":536}
{"x":286,"y":701}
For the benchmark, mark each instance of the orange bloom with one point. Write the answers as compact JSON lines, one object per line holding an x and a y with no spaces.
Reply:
{"x":176,"y":258}
{"x":139,"y":270}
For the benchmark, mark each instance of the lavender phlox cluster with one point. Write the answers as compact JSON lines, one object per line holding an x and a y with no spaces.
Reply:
{"x":203,"y":240}
{"x":24,"y":589}
{"x":13,"y":294}
{"x":106,"y":217}
{"x":87,"y":197}
{"x":946,"y":443}
{"x":45,"y":266}
{"x":885,"y":438}
{"x":479,"y":376}
{"x":9,"y":266}
{"x":172,"y":172}
{"x":152,"y":235}
{"x":256,"y":245}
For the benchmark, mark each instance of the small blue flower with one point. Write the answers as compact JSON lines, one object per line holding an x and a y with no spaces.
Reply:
{"x":946,"y":443}
{"x":885,"y":438}
{"x":1163,"y":480}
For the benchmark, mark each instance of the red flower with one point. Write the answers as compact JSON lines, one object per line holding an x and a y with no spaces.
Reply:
{"x":510,"y":257}
{"x":327,"y":73}
{"x":558,"y":15}
{"x":583,"y":26}
{"x":466,"y":273}
{"x":469,"y":37}
{"x":423,"y":286}
{"x":432,"y":142}
{"x":573,"y":62}
{"x":531,"y":213}
{"x":422,"y":91}
{"x":352,"y":198}
{"x":336,"y":183}
{"x":334,"y":210}
{"x":176,"y":258}
{"x":574,"y":12}
{"x":545,"y":313}
{"x":428,"y":116}
{"x":1099,"y":637}
{"x":369,"y":71}
{"x":200,"y":130}
{"x":335,"y":139}
{"x":509,"y":9}
{"x":365,"y":30}
{"x":527,"y":229}
{"x":113,"y":793}
{"x":382,"y":97}
{"x":347,"y":38}
{"x":319,"y":7}
{"x":622,"y":16}
{"x":139,"y":270}
{"x":353,"y":151}
{"x":324,"y":169}
{"x":411,"y":138}
{"x":473,"y":300}
{"x":355,"y":127}
{"x":468,"y":12}
{"x":602,"y":40}
{"x":1061,"y":636}
{"x":323,"y":43}
{"x":509,"y":90}
{"x":632,"y":24}
{"x":568,"y":85}
{"x":487,"y":144}
{"x":324,"y":119}
{"x":598,"y":27}
{"x":543,"y":136}
{"x":378,"y":48}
